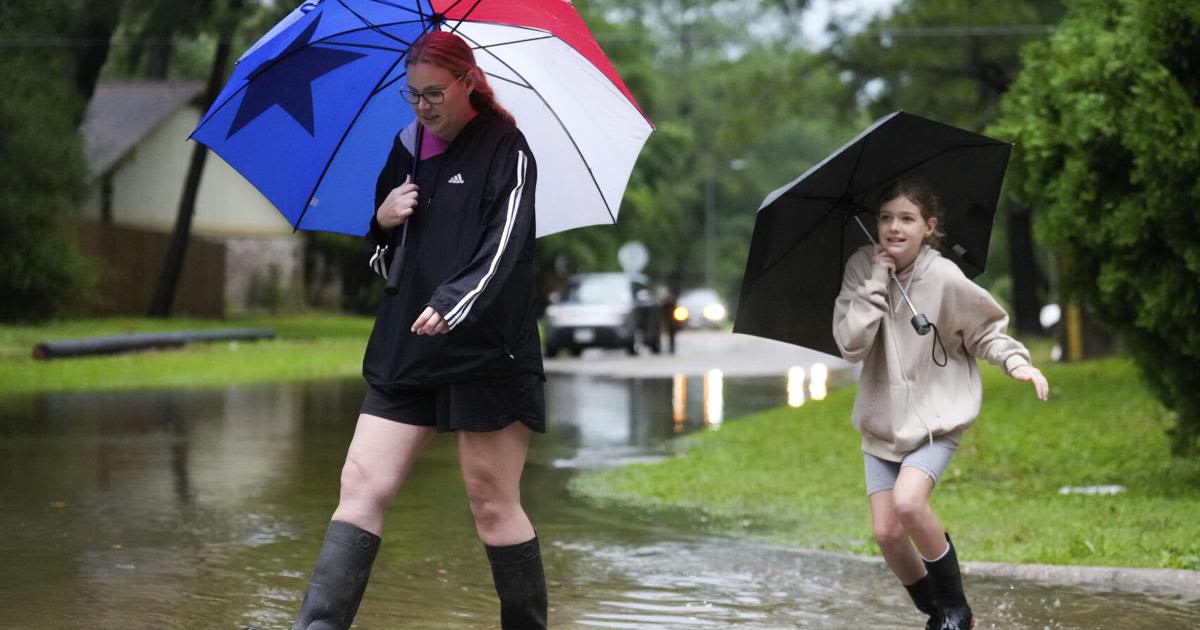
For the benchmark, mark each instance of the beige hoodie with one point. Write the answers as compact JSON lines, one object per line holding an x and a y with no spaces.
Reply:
{"x":903,"y":398}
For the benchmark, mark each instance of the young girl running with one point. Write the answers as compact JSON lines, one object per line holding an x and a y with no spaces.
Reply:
{"x":912,"y":412}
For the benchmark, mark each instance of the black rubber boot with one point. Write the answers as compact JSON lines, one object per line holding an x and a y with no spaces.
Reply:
{"x":922,"y":594}
{"x":521,"y":585}
{"x":948,"y":591}
{"x":339,"y":579}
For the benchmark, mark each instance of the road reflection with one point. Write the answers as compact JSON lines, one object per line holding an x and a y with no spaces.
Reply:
{"x":795,"y":386}
{"x":817,"y":387}
{"x":678,"y":402}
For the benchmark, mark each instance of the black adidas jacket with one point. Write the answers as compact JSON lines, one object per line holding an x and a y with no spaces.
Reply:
{"x":469,"y":255}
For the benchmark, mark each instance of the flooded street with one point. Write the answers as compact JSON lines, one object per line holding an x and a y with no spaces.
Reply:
{"x":205,"y":509}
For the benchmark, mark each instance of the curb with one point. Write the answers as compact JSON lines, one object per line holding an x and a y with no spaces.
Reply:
{"x":1173,"y":583}
{"x":1164,"y":582}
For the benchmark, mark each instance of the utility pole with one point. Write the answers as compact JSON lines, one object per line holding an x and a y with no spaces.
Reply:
{"x":710,"y":229}
{"x":710,"y":221}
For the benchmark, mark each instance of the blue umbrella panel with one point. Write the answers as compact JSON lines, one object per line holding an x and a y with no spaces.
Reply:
{"x":310,"y":112}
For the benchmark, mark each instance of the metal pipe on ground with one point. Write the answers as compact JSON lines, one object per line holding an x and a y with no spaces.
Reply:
{"x":114,"y":344}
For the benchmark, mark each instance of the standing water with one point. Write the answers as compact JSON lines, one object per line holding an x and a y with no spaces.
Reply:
{"x":204,"y":509}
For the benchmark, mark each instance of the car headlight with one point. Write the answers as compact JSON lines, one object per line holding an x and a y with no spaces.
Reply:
{"x":714,"y":312}
{"x":680,"y":314}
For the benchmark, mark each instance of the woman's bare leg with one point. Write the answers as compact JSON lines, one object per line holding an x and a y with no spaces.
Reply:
{"x":380,"y":456}
{"x":491,"y":464}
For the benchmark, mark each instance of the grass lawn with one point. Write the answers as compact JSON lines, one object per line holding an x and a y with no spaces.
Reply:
{"x":306,"y":346}
{"x":794,"y":476}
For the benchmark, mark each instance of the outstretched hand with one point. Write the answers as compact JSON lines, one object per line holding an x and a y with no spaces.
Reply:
{"x":430,"y":323}
{"x":1030,"y":373}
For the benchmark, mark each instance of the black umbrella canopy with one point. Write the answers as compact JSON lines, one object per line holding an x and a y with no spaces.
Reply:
{"x":805,"y":231}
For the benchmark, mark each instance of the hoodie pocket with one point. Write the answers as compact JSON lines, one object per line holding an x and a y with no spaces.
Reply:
{"x":917,"y":419}
{"x":873,"y":413}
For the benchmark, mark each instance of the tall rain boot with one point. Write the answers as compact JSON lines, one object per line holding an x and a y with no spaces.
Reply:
{"x":923,"y":594}
{"x":521,"y":585}
{"x":339,"y":579}
{"x":948,"y":591}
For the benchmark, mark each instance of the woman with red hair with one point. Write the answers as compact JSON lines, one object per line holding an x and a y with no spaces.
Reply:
{"x":455,"y":349}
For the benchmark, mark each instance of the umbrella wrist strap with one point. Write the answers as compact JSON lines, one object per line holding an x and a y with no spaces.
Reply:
{"x":937,"y":341}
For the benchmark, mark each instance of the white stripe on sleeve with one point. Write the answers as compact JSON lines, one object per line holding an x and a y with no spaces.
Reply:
{"x":460,"y":310}
{"x":378,"y":261}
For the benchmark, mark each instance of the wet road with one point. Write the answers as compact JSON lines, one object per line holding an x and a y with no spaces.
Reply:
{"x":204,"y":509}
{"x":699,"y":351}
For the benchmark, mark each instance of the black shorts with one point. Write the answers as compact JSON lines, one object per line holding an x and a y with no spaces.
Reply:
{"x":486,"y":405}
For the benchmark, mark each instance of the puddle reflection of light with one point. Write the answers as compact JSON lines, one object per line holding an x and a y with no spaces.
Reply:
{"x":816,"y":387}
{"x":795,"y":386}
{"x":714,"y":398}
{"x":679,"y":401}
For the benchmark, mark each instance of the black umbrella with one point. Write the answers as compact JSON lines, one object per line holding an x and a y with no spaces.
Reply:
{"x":806,"y":230}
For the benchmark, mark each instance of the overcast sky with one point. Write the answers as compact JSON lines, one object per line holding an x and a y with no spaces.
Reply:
{"x":849,"y":12}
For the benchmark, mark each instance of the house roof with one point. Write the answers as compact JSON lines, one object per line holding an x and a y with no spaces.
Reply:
{"x":121,"y":114}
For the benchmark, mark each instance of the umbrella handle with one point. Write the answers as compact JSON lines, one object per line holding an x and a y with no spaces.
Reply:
{"x":920,"y":323}
{"x":392,"y":287}
{"x":393,"y":279}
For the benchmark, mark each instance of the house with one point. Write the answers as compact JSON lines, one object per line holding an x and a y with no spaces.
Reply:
{"x":242,"y":254}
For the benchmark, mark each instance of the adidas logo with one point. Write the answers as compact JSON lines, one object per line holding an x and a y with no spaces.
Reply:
{"x":457,"y":179}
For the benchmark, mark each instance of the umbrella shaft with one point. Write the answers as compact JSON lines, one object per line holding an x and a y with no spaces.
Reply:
{"x":904,"y":293}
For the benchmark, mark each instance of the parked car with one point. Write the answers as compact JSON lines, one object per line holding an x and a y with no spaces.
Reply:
{"x":700,"y":308}
{"x":604,"y":310}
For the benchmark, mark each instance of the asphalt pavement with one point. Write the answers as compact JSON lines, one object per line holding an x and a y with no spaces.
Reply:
{"x":698,"y":351}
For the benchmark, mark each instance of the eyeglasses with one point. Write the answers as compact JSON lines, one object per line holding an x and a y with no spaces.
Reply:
{"x":433,"y":97}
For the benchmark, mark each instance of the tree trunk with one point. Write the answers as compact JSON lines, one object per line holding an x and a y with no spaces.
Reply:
{"x":164,"y":294}
{"x":1022,"y":264}
{"x":89,"y":59}
{"x":160,"y":60}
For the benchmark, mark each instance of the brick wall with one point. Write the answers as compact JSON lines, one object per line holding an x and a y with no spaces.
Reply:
{"x":263,"y":272}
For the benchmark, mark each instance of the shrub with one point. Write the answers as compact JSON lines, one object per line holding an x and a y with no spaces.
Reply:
{"x":1106,"y":118}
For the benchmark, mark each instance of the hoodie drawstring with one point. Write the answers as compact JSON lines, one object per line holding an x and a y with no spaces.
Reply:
{"x":908,"y":401}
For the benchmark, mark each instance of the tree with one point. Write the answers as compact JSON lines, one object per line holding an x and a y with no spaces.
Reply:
{"x":164,"y":292}
{"x":716,"y":92}
{"x":176,"y":39}
{"x":1106,"y":115}
{"x":99,"y":22}
{"x":42,"y":169}
{"x":952,"y":60}
{"x":151,"y":28}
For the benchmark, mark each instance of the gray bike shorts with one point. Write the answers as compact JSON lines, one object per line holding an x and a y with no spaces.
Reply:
{"x":931,"y":459}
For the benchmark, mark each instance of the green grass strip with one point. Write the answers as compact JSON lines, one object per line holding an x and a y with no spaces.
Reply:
{"x":306,"y":346}
{"x":795,"y":476}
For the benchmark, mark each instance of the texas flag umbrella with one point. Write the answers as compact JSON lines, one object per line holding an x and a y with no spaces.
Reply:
{"x":312,"y":109}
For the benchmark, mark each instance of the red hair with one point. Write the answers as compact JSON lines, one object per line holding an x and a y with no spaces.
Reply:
{"x":449,"y":52}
